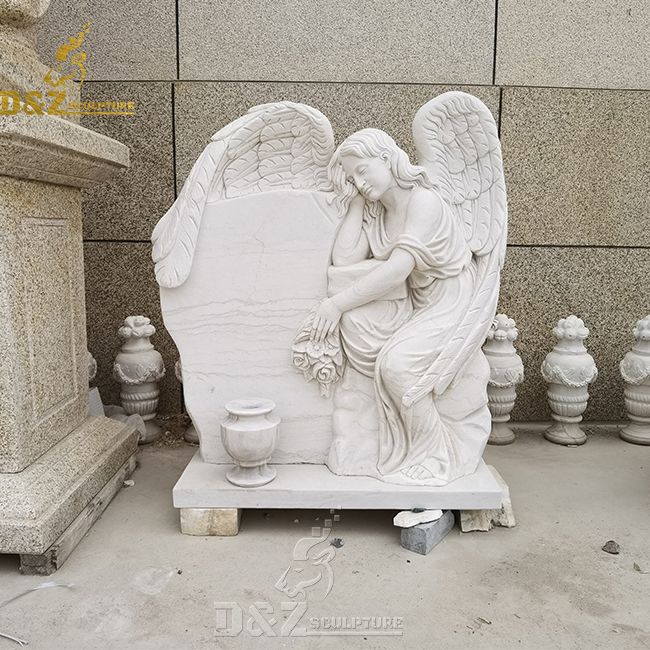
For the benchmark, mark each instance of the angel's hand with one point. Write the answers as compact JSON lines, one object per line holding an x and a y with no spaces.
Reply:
{"x":326,"y":319}
{"x":357,"y":202}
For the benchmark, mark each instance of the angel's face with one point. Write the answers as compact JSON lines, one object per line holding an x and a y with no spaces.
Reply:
{"x":371,"y":176}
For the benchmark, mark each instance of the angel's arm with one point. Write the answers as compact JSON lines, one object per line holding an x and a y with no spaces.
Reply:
{"x":424,"y":210}
{"x":378,"y":282}
{"x":423,"y":213}
{"x":351,"y":243}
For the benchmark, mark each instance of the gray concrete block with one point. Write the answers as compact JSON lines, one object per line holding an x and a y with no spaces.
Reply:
{"x":423,"y":537}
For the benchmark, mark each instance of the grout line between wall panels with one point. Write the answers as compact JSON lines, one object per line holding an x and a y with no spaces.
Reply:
{"x":500,"y":112}
{"x":368,"y":83}
{"x":174,"y":139}
{"x":178,"y":42}
{"x":494,"y":47}
{"x":117,"y":241}
{"x":598,"y":246}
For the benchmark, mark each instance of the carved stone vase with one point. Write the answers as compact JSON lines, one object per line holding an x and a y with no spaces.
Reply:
{"x":568,"y":369}
{"x":506,"y":371}
{"x":635,"y":370}
{"x":249,"y":434}
{"x":139,"y":367}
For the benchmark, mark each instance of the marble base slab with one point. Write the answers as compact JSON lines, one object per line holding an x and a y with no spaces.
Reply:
{"x":204,"y":485}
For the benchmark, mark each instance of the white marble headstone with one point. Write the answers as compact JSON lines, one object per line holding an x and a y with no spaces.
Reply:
{"x":374,"y":277}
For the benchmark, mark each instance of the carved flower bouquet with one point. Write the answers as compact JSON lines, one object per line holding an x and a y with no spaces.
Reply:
{"x":322,"y":361}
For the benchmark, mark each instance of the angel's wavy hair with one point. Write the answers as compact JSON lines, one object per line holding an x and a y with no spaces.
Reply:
{"x":372,"y":143}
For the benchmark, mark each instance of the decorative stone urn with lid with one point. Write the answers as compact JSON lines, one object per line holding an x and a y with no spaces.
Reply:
{"x":506,"y":371}
{"x":635,"y":370}
{"x":249,"y":434}
{"x":139,"y":367}
{"x":568,"y":369}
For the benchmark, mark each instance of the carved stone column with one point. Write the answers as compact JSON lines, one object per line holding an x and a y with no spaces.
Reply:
{"x":54,"y":459}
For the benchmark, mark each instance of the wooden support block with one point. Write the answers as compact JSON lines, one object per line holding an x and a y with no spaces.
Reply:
{"x":222,"y":522}
{"x":48,"y":562}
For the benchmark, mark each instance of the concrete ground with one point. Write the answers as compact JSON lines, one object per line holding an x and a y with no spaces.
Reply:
{"x":139,"y":583}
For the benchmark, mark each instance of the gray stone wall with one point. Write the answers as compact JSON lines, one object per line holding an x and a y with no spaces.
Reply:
{"x":569,"y":83}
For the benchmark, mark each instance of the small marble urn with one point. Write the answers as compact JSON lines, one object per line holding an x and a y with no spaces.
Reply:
{"x":568,"y":369}
{"x":249,"y":434}
{"x":506,"y":371}
{"x":635,"y":370}
{"x":139,"y":368}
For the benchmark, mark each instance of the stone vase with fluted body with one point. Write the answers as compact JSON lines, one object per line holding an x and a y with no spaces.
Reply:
{"x":249,"y":434}
{"x":506,"y":371}
{"x":635,"y":370}
{"x":139,"y":367}
{"x":568,"y":369}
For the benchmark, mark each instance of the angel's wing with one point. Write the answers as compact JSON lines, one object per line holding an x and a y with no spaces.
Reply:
{"x":457,"y":142}
{"x":274,"y":146}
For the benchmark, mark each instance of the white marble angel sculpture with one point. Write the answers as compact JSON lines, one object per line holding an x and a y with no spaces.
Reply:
{"x":412,"y":285}
{"x":413,"y":288}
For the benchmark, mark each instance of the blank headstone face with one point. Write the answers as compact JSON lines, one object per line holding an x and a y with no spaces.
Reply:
{"x":259,"y":266}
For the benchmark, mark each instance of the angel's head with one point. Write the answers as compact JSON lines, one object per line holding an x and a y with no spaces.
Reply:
{"x":370,"y":162}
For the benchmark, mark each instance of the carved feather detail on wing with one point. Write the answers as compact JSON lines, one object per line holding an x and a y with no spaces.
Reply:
{"x":457,"y":142}
{"x":174,"y":237}
{"x":273,"y":147}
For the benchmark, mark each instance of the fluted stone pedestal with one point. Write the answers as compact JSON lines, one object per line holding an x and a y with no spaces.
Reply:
{"x":54,"y":459}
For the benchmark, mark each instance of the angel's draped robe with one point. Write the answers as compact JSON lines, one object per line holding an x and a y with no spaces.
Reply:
{"x":395,"y":340}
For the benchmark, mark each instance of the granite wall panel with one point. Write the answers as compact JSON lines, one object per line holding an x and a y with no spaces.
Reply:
{"x":439,"y":41}
{"x":581,"y":43}
{"x":130,"y":204}
{"x":127,"y":40}
{"x":577,"y":164}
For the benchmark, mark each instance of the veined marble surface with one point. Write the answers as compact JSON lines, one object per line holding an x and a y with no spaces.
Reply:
{"x":258,"y":267}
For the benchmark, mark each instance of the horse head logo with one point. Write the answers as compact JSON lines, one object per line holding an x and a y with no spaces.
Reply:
{"x":310,"y":566}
